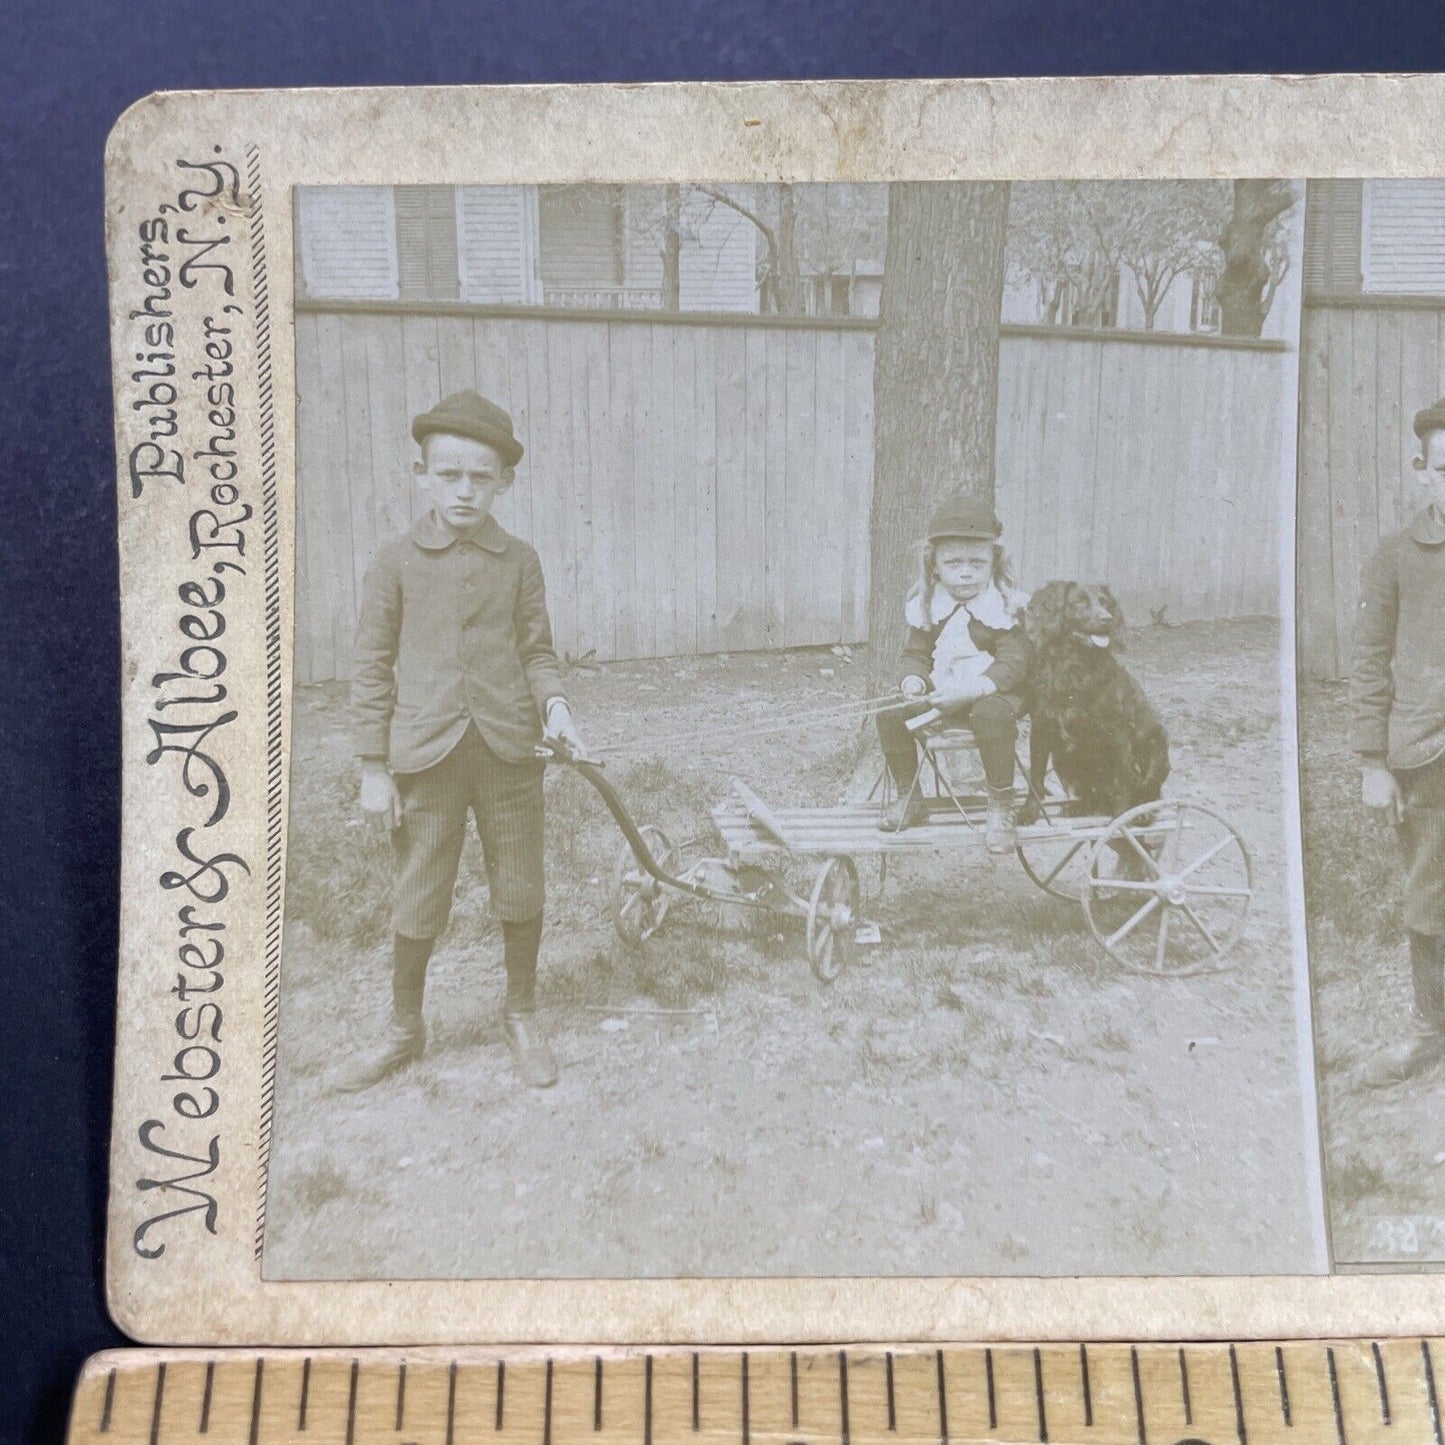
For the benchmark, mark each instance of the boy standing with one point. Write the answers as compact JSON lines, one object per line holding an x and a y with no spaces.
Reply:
{"x":1398,"y":694}
{"x":456,"y":683}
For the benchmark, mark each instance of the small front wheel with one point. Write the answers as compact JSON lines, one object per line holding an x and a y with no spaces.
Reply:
{"x":639,"y":901}
{"x":833,"y":918}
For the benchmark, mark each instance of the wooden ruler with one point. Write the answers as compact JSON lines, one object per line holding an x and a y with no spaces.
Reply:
{"x":1348,"y":1392}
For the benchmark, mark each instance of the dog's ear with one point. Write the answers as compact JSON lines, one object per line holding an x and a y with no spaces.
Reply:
{"x":1120,"y":627}
{"x":1046,"y":617}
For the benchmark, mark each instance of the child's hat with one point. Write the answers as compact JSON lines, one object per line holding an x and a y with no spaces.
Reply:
{"x":965,"y":517}
{"x":470,"y":414}
{"x":1431,"y":419}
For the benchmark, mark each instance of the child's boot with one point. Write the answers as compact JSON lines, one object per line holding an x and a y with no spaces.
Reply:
{"x":1000,"y":832}
{"x":532,"y":1056}
{"x":1424,"y":1046}
{"x":405,"y":1039}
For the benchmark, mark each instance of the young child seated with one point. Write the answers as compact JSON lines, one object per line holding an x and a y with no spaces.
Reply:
{"x":964,"y":654}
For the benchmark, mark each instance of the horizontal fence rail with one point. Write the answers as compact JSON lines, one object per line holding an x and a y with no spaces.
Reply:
{"x":702,"y":484}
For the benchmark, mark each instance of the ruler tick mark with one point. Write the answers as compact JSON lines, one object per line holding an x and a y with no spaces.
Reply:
{"x":647,"y":1400}
{"x":1084,"y":1383}
{"x":1430,"y":1390}
{"x":793,"y":1384}
{"x":1039,"y":1396}
{"x":1239,"y":1426}
{"x":1138,"y":1396}
{"x":400,"y":1396}
{"x":501,"y":1391}
{"x":747,"y":1423}
{"x":1380,"y":1377}
{"x":206,"y":1398}
{"x":351,"y":1403}
{"x":1184,"y":1388}
{"x":1335,"y":1395}
{"x":988,"y":1378}
{"x":109,"y":1403}
{"x":597,"y":1394}
{"x":843,"y":1394}
{"x":1284,"y":1407}
{"x":892,"y":1409}
{"x":452,"y":1403}
{"x":305,"y":1392}
{"x":942,"y":1400}
{"x":156,"y":1403}
{"x":696,"y":1412}
{"x":255,"y":1433}
{"x":547,"y":1406}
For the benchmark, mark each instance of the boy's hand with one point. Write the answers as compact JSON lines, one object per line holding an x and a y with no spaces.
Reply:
{"x":1379,"y":790}
{"x":559,"y":726}
{"x":915,"y":689}
{"x":380,"y":800}
{"x":961,"y":692}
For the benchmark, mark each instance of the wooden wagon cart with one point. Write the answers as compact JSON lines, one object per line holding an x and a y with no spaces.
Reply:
{"x":1165,"y":887}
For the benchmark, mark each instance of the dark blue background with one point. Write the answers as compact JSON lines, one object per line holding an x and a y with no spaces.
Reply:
{"x":68,"y":70}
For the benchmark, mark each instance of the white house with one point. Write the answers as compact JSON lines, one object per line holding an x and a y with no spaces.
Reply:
{"x":591,"y":247}
{"x":1375,"y":238}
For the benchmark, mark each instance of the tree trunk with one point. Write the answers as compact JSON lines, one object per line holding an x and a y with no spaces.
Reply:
{"x":786,"y":288}
{"x":935,"y":380}
{"x":672,"y":250}
{"x":1244,"y":292}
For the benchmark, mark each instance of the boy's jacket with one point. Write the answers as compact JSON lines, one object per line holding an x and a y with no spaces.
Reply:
{"x":1397,"y":688}
{"x":998,"y":631}
{"x":451,"y":633}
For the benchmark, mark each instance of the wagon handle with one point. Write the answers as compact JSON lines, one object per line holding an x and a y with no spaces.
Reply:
{"x":555,"y":750}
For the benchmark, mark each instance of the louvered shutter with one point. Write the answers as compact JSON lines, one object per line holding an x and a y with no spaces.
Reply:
{"x":1333,"y":233}
{"x":426,"y":243}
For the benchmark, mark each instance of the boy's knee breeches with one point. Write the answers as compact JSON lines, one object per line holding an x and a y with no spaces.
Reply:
{"x":1422,"y":836}
{"x":506,"y":800}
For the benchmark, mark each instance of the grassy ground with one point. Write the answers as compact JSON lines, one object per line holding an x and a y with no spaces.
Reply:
{"x":982,"y":1091}
{"x":1384,"y":1149}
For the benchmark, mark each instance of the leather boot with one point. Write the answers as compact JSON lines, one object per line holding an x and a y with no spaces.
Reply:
{"x":1424,"y":1046}
{"x":532,"y":1055}
{"x":906,"y":812}
{"x":1000,"y":834}
{"x":404,"y":1043}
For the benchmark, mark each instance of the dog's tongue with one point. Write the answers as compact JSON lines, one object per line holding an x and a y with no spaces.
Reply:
{"x":1099,"y":639}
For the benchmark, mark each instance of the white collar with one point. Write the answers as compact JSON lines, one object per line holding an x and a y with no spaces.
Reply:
{"x":994,"y":607}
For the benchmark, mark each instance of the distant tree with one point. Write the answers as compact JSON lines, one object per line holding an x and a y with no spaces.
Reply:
{"x":935,"y":377}
{"x":1254,"y":251}
{"x":1081,"y":238}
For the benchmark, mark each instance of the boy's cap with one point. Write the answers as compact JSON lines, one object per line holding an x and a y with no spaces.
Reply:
{"x":964,"y":517}
{"x":1430,"y":420}
{"x":470,"y":414}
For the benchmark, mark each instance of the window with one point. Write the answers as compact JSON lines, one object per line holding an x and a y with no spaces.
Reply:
{"x":828,"y":296}
{"x":426,"y":243}
{"x":1204,"y":313}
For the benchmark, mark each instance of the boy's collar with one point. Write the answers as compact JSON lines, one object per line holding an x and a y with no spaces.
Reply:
{"x":990,"y":607}
{"x":429,"y":533}
{"x":1428,"y":528}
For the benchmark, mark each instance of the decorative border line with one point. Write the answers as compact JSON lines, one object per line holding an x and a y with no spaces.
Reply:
{"x":271,"y":553}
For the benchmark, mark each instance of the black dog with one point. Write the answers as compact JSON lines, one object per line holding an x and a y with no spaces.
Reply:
{"x":1090,"y":717}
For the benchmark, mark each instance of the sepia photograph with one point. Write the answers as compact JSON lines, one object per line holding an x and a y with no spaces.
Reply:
{"x":1372,"y":705}
{"x":791,"y":750}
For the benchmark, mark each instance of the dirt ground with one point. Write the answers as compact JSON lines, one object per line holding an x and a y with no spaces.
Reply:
{"x":1385,"y":1148}
{"x":982,"y":1092}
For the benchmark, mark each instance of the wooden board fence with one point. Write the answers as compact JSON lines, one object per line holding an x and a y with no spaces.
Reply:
{"x":1367,"y":366}
{"x":703,"y":486}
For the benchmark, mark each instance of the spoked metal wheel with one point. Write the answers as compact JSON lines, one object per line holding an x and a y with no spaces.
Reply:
{"x":833,"y":918}
{"x":639,"y":901}
{"x":1168,"y":889}
{"x":1058,"y":864}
